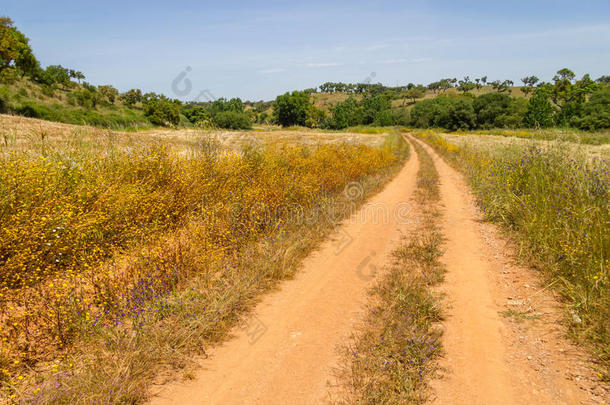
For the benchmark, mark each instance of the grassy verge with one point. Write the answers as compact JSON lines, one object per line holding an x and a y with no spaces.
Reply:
{"x":139,"y":259}
{"x":394,"y":351}
{"x":554,"y":200}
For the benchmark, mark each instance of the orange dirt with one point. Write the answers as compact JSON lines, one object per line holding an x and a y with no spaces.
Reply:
{"x":503,"y":340}
{"x":287,"y":351}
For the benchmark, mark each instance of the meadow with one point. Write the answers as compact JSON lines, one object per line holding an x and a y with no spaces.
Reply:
{"x":124,"y":250}
{"x":552,"y":196}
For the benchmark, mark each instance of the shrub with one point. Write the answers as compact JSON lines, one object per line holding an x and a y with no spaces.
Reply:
{"x":346,"y":114}
{"x":291,"y":108}
{"x":596,"y":112}
{"x":540,"y":112}
{"x":232,"y":120}
{"x":162,"y":112}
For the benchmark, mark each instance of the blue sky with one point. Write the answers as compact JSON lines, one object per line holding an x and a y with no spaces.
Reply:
{"x":259,"y":49}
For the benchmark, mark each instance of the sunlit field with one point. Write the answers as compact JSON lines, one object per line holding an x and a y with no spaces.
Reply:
{"x":118,"y":242}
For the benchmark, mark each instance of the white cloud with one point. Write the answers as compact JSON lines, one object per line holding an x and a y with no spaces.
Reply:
{"x":270,"y":71}
{"x":393,"y":61}
{"x":323,"y":64}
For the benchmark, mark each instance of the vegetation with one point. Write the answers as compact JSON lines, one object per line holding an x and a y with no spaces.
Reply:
{"x":555,"y":200}
{"x":394,"y":352}
{"x":130,"y":251}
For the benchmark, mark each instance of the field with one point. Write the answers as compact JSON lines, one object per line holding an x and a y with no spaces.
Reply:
{"x":134,"y":242}
{"x":128,"y":256}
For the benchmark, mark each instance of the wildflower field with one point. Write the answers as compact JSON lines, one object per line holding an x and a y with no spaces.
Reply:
{"x":554,"y":197}
{"x":118,"y":260}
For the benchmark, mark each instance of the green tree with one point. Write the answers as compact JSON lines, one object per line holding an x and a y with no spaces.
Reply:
{"x":291,"y":108}
{"x":163,"y":112}
{"x":415,"y":93}
{"x":315,"y":117}
{"x":466,"y":85}
{"x":595,"y":112}
{"x":529,"y":83}
{"x":346,"y":114}
{"x":372,"y":107}
{"x":539,"y":112}
{"x":15,"y":51}
{"x":58,"y":75}
{"x":109,"y":92}
{"x":132,"y":97}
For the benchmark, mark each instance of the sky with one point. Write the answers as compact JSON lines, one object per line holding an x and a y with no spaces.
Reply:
{"x":255,"y":50}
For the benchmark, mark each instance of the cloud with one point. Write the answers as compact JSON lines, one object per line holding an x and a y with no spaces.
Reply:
{"x":393,"y":61}
{"x":323,"y":64}
{"x":270,"y":71}
{"x":377,"y":47}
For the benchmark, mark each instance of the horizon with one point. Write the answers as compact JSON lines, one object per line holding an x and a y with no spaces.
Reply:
{"x":258,"y":50}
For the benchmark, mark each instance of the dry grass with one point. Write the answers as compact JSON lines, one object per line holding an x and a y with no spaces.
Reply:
{"x":127,"y":257}
{"x":36,"y":136}
{"x":393,"y":352}
{"x":552,"y":196}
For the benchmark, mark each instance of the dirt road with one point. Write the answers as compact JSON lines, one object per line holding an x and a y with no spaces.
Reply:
{"x":287,"y":352}
{"x":502,"y":335}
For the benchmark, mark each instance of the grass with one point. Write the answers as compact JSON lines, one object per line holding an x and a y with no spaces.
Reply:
{"x":554,"y":199}
{"x":123,"y":263}
{"x":392,"y":355}
{"x":29,"y":99}
{"x":553,"y":134}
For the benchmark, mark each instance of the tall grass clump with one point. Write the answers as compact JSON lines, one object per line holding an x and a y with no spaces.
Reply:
{"x":121,"y":262}
{"x":555,"y":199}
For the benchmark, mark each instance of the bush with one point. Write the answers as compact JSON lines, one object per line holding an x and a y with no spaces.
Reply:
{"x":596,"y":112}
{"x":489,"y":107}
{"x":232,"y":120}
{"x":291,"y":108}
{"x":540,"y":112}
{"x":162,"y":112}
{"x":452,"y":113}
{"x":346,"y":114}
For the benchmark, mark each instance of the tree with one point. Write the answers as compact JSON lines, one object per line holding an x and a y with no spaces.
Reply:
{"x":415,"y":93}
{"x":291,"y":108}
{"x":434,"y":86}
{"x":466,"y":85}
{"x":529,"y":83}
{"x":109,"y":92}
{"x":540,"y":112}
{"x":372,"y":107}
{"x":489,"y":107}
{"x":58,"y":75}
{"x":603,"y":80}
{"x":502,"y":87}
{"x":132,"y":97}
{"x":346,"y":114}
{"x":232,"y":120}
{"x":15,"y":51}
{"x":163,"y":112}
{"x":595,"y":112}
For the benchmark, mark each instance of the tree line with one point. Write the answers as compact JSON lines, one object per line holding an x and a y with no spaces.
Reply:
{"x":565,"y":101}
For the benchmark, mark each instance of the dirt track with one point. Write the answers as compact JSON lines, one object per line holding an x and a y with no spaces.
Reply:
{"x":286,"y":353}
{"x":491,"y":358}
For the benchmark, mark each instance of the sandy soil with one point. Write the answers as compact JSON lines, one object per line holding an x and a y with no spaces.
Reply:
{"x":286,"y":352}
